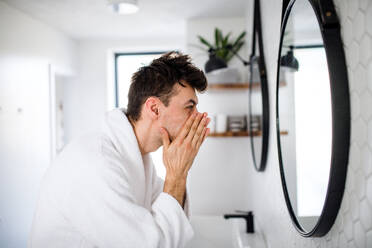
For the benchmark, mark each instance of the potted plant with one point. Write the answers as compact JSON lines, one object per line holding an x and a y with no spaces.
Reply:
{"x":222,"y":50}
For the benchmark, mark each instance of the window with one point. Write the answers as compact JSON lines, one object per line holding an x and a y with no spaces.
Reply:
{"x":125,"y":65}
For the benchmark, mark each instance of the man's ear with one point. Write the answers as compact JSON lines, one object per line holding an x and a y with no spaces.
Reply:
{"x":152,"y":105}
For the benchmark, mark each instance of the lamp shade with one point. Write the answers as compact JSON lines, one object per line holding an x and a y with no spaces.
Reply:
{"x":214,"y":63}
{"x":289,"y":61}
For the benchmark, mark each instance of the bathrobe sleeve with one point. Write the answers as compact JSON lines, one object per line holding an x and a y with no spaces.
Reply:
{"x":105,"y":212}
{"x":158,"y":185}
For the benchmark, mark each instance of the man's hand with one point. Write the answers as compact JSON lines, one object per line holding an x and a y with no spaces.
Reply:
{"x":179,"y":154}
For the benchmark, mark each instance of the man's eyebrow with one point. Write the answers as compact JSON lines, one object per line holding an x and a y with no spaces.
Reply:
{"x":191,"y":101}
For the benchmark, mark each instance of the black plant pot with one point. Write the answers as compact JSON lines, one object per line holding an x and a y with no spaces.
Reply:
{"x":214,"y":63}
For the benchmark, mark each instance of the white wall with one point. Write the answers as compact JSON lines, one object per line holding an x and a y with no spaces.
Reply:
{"x":353,"y":226}
{"x":23,"y":36}
{"x":27,"y":48}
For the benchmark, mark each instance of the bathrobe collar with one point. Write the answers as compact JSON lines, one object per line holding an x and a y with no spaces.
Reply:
{"x":120,"y":131}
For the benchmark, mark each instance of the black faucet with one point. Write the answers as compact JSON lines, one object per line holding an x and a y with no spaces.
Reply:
{"x":248,"y":216}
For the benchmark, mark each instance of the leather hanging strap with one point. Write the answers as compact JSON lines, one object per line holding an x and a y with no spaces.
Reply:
{"x":257,"y":34}
{"x":253,"y":52}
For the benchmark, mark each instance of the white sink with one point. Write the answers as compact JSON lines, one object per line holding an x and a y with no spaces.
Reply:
{"x":213,"y":231}
{"x":242,"y":239}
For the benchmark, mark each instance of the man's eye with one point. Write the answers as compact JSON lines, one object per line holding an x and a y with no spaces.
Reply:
{"x":190,"y":107}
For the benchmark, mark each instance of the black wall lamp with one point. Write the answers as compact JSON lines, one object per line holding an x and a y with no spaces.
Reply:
{"x":289,"y":59}
{"x":214,"y":62}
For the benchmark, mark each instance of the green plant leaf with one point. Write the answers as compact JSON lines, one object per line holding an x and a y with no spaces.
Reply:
{"x":221,"y":43}
{"x":224,"y":54}
{"x":205,"y":42}
{"x":218,"y":37}
{"x":225,"y":40}
{"x":236,"y":46}
{"x":241,"y":36}
{"x":219,"y":54}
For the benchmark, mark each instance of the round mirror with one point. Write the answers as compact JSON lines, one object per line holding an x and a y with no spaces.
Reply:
{"x":258,"y":97}
{"x":313,"y":170}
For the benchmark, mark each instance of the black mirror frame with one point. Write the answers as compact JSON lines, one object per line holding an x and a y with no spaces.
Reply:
{"x":340,"y":101}
{"x":257,"y":30}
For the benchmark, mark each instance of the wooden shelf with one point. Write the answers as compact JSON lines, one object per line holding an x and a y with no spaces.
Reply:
{"x":229,"y":86}
{"x":283,"y":132}
{"x":230,"y":134}
{"x":236,"y":86}
{"x":241,"y":134}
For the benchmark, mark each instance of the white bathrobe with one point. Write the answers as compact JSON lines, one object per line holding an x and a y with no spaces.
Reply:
{"x":101,"y":192}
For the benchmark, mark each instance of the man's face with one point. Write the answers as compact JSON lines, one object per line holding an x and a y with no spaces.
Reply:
{"x":181,"y":105}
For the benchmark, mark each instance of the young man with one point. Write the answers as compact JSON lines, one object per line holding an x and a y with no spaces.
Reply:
{"x":102,"y":190}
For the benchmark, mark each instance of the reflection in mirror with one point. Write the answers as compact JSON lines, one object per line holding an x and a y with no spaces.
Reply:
{"x":304,"y":108}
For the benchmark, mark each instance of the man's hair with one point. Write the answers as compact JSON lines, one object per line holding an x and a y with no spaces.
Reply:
{"x":158,"y":79}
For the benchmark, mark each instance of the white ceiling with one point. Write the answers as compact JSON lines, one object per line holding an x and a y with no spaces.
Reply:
{"x":91,"y":19}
